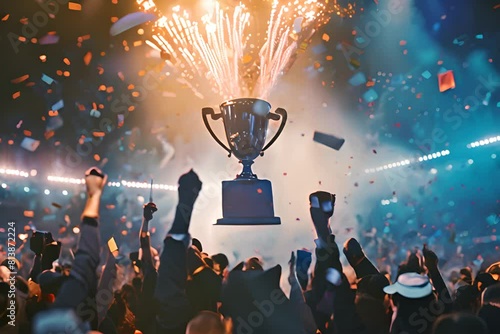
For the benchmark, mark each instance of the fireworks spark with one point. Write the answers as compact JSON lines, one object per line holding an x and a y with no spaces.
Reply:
{"x":226,"y":48}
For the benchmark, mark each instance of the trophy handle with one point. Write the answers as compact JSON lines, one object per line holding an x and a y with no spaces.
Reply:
{"x":209,"y":111}
{"x":275,"y":117}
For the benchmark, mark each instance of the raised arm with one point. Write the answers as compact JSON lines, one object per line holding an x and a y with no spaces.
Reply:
{"x":174,"y":310}
{"x":431,"y":262}
{"x":78,"y":291}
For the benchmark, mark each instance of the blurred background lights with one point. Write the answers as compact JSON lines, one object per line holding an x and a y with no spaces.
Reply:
{"x":46,"y":192}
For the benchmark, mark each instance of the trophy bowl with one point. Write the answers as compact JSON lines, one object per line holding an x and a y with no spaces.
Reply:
{"x":246,"y":200}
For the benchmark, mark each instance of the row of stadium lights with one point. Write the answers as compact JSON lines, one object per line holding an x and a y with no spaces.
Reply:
{"x":431,"y":156}
{"x":70,"y":180}
{"x":407,"y":162}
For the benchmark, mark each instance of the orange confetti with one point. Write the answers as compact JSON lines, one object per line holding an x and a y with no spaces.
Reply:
{"x":66,"y":61}
{"x":141,"y":73}
{"x":81,"y":107}
{"x":16,"y":95}
{"x":114,"y":19}
{"x":102,"y":88}
{"x":49,"y":134}
{"x":10,"y":142}
{"x":370,"y":83}
{"x":34,"y":40}
{"x":30,"y":84}
{"x":446,"y":81}
{"x":66,"y":73}
{"x":110,"y":89}
{"x":402,"y":42}
{"x":20,"y":79}
{"x":98,"y":134}
{"x":22,"y":38}
{"x":101,"y":106}
{"x":101,"y":70}
{"x":97,"y":157}
{"x":53,"y":113}
{"x":27,"y":133}
{"x":43,"y":58}
{"x":59,"y":72}
{"x":29,"y":213}
{"x":137,"y":43}
{"x":130,"y":86}
{"x":87,"y":58}
{"x":94,"y":105}
{"x":6,"y":17}
{"x":135,"y":94}
{"x":325,"y":37}
{"x":329,"y":57}
{"x":74,"y":6}
{"x":131,"y":108}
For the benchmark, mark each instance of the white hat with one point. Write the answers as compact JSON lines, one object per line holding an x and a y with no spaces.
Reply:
{"x":410,"y":285}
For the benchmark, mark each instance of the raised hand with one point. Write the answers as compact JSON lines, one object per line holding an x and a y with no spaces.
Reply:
{"x":189,"y":188}
{"x":323,"y":200}
{"x":430,"y":258}
{"x":321,"y":208}
{"x":95,"y":180}
{"x":148,"y":210}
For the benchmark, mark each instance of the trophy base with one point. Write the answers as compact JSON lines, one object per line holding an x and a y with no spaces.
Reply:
{"x":247,"y":202}
{"x":249,"y":221}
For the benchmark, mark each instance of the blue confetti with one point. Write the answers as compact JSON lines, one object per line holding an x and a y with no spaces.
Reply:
{"x":370,"y":95}
{"x":426,"y":74}
{"x":357,"y":79}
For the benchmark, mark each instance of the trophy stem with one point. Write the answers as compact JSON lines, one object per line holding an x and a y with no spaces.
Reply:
{"x":247,"y":170}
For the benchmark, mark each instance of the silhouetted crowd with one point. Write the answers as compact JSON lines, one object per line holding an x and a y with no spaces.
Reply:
{"x":185,"y":290}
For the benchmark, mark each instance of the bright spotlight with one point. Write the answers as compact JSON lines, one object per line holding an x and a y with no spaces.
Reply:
{"x":65,"y":192}
{"x":4,"y":185}
{"x":47,"y":192}
{"x":26,"y":189}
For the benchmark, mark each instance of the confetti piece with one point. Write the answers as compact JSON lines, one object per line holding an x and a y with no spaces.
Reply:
{"x":121,"y":120}
{"x":29,"y":213}
{"x":446,"y":81}
{"x":426,"y":74}
{"x":16,"y":95}
{"x":95,"y":113}
{"x":20,"y":79}
{"x":325,"y":37}
{"x":374,"y":151}
{"x":58,"y":105}
{"x":48,"y":39}
{"x":57,"y":205}
{"x":354,"y":62}
{"x":30,"y":144}
{"x":48,"y":80}
{"x":129,"y":21}
{"x":297,"y":24}
{"x":66,"y":61}
{"x":370,"y":95}
{"x":480,"y":36}
{"x":6,"y":17}
{"x":357,"y":79}
{"x":98,"y":134}
{"x":74,"y":6}
{"x":328,"y":140}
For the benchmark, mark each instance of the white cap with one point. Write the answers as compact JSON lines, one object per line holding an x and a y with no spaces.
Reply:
{"x":410,"y":285}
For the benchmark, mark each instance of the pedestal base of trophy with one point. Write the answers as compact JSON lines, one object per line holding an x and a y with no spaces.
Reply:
{"x":247,"y":202}
{"x":249,"y":221}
